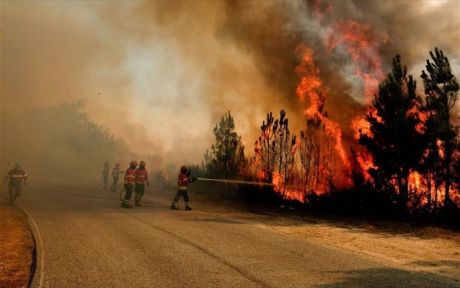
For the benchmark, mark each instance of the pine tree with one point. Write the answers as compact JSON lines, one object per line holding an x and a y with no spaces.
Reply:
{"x":441,"y":89}
{"x":266,"y":146}
{"x":227,"y":154}
{"x":285,"y":149}
{"x":393,"y":141}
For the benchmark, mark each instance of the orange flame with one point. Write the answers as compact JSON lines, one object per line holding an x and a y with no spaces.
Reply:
{"x":415,"y":181}
{"x":416,"y":112}
{"x":440,"y":146}
{"x":361,"y":127}
{"x":311,"y":86}
{"x":288,"y":193}
{"x":362,"y":44}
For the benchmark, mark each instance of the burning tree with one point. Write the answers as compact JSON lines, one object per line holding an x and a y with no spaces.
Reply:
{"x":309,"y":158}
{"x":275,"y":152}
{"x":457,"y":165}
{"x":265,"y":148}
{"x":392,"y":138}
{"x":285,"y":148}
{"x":317,"y":159}
{"x":441,"y":89}
{"x":276,"y":148}
{"x":227,"y":154}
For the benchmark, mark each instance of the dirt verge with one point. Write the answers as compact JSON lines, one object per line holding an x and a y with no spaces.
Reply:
{"x":17,"y":248}
{"x":429,"y":249}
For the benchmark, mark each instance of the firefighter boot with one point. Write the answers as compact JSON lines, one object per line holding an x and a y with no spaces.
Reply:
{"x":126,"y":205}
{"x":188,"y":208}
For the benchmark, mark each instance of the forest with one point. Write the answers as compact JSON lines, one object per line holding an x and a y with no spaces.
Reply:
{"x":404,"y":157}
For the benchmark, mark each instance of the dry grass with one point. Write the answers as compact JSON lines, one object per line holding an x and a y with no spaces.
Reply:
{"x":16,"y":245}
{"x":432,"y":250}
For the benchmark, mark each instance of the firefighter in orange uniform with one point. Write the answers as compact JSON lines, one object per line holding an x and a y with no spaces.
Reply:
{"x":115,"y":176}
{"x":130,"y":180}
{"x":142,"y":178}
{"x":183,"y":179}
{"x":105,"y":174}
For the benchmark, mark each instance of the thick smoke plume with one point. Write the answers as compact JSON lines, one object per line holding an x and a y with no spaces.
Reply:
{"x":158,"y":75}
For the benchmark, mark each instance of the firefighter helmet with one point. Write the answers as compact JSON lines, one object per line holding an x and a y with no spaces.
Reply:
{"x":142,"y":164}
{"x":183,"y":169}
{"x":133,"y":163}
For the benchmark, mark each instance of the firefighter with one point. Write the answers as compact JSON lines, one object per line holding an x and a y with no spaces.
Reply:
{"x":115,"y":176}
{"x":183,"y":179}
{"x":105,"y":174}
{"x":142,"y":178}
{"x":130,"y":180}
{"x":17,"y":178}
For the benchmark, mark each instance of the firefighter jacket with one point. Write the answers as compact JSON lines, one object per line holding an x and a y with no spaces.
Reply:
{"x":182,"y":182}
{"x":115,"y":171}
{"x":142,"y":176}
{"x":16,"y":177}
{"x":130,"y":176}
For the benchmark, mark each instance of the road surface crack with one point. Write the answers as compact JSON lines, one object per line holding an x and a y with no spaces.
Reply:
{"x":240,"y":271}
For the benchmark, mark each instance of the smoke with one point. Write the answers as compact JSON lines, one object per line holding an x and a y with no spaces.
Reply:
{"x":159,"y":75}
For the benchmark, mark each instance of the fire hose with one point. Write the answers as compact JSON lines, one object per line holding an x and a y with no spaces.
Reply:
{"x":235,"y":181}
{"x":280,"y":186}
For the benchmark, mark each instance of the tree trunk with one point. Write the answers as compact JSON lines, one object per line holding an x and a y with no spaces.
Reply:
{"x":447,"y":163}
{"x":403,"y":185}
{"x":428,"y":178}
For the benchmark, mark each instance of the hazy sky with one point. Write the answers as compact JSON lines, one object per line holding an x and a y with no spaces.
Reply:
{"x":160,"y":74}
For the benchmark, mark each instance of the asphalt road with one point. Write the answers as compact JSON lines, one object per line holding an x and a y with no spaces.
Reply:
{"x":84,"y":239}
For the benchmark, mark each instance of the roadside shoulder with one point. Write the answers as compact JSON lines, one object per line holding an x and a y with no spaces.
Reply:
{"x":17,"y":256}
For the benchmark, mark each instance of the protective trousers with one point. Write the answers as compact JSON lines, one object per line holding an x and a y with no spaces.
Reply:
{"x":128,"y":192}
{"x":184,"y":194}
{"x":105,"y":179}
{"x":14,"y":192}
{"x":114,"y":183}
{"x":139,"y":191}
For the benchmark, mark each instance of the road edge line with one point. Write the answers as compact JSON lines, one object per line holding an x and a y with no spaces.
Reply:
{"x":38,"y":253}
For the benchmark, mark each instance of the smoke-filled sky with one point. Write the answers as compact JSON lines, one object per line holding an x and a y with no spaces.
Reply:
{"x":160,"y":74}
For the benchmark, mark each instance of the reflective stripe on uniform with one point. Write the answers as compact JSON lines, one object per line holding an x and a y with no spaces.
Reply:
{"x":141,"y":175}
{"x":130,"y":176}
{"x":18,"y":176}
